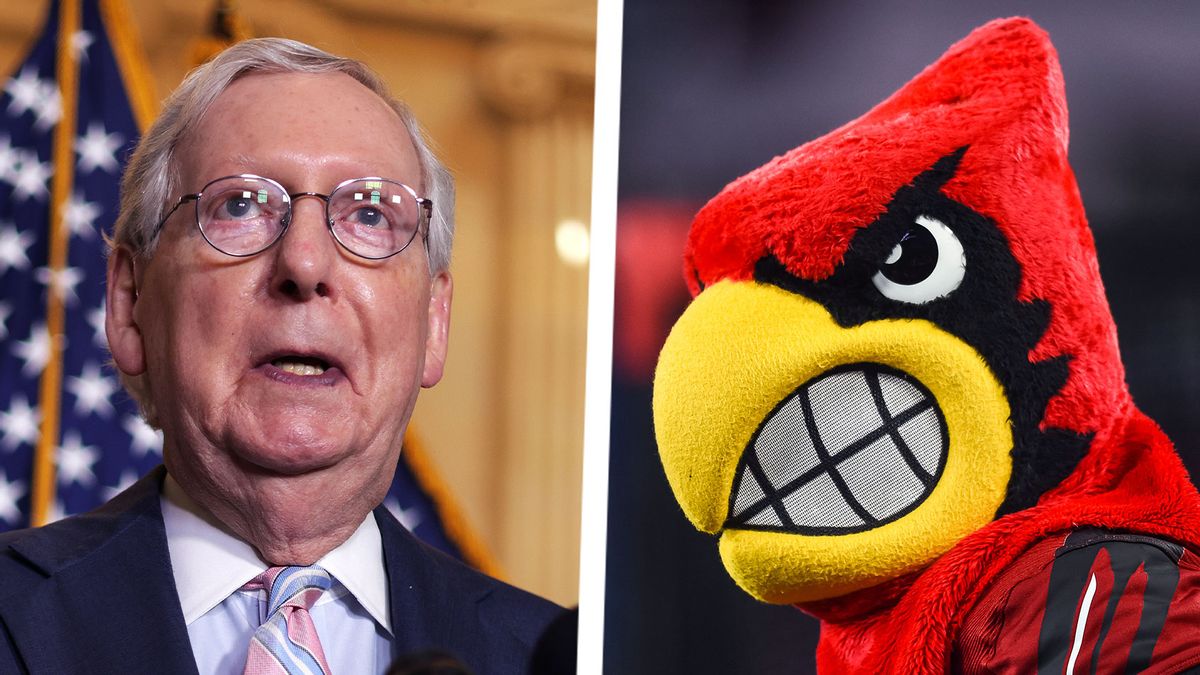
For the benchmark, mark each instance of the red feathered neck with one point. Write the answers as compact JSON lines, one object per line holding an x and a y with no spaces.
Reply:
{"x":1137,"y":484}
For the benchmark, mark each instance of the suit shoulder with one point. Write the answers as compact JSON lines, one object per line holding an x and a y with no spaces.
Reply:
{"x":52,"y":548}
{"x":527,"y":614}
{"x":14,"y":568}
{"x":534,"y":632}
{"x":499,"y":607}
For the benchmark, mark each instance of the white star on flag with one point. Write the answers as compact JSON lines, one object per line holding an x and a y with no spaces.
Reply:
{"x":410,"y":518}
{"x":9,"y":160}
{"x":24,"y":90}
{"x":61,"y":282}
{"x":98,"y":149}
{"x":75,"y":460}
{"x":13,"y":248}
{"x":80,"y":41}
{"x":19,"y":423}
{"x":35,"y":351}
{"x":91,"y":390}
{"x":95,"y":319}
{"x":145,"y":438}
{"x":31,"y":176}
{"x":49,"y":106}
{"x":80,"y":216}
{"x":128,"y":477}
{"x":5,"y":312}
{"x":10,"y":492}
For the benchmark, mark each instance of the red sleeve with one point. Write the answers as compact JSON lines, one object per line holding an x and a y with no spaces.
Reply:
{"x":1092,"y":602}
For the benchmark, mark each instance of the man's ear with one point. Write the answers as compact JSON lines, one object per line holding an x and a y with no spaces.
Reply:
{"x":124,"y":335}
{"x":436,"y":341}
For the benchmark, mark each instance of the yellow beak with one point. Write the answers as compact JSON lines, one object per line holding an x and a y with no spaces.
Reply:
{"x":829,"y":459}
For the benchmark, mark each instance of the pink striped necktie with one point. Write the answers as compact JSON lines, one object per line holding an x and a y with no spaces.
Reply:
{"x":286,"y":643}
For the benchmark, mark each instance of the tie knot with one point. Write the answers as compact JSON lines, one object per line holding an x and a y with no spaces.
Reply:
{"x":291,"y":586}
{"x":287,"y":640}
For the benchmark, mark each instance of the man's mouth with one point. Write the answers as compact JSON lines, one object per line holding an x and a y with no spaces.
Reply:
{"x":847,"y":451}
{"x":301,"y":365}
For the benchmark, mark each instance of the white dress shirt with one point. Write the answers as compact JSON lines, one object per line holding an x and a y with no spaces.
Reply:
{"x":211,"y":565}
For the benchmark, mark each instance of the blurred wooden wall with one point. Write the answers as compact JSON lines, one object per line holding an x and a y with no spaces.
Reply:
{"x":504,"y":87}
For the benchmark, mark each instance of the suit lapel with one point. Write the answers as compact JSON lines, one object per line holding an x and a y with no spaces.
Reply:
{"x":104,"y":598}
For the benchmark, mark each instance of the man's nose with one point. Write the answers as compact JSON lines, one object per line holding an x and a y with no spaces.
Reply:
{"x":306,"y":255}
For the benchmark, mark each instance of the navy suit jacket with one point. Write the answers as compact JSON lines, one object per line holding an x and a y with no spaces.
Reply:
{"x":95,"y":594}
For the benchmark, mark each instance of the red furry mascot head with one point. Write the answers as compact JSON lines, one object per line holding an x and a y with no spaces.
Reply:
{"x":899,"y":372}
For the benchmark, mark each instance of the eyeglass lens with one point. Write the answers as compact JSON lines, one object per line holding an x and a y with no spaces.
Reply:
{"x":373,"y":218}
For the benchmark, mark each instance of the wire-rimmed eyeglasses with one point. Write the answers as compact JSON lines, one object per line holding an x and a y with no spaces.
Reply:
{"x":244,"y":215}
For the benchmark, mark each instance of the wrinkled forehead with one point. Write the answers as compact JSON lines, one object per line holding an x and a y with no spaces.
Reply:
{"x":305,"y":123}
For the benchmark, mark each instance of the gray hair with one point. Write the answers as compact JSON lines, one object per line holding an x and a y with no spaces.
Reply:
{"x":151,"y":179}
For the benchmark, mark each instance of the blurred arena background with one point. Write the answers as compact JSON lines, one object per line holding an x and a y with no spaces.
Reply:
{"x":711,"y":90}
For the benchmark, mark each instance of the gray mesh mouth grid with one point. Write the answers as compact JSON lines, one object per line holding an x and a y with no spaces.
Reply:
{"x":847,"y":451}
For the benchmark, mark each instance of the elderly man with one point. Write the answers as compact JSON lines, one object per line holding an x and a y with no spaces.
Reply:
{"x":278,"y":292}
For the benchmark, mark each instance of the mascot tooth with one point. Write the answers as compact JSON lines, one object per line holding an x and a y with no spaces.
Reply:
{"x":897,"y":398}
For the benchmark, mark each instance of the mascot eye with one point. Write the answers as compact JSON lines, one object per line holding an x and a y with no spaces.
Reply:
{"x":927,"y":264}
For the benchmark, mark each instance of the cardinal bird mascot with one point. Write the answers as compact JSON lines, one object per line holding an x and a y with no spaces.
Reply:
{"x":897,"y":398}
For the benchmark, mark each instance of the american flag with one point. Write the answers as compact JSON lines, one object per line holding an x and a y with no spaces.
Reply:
{"x":101,"y":444}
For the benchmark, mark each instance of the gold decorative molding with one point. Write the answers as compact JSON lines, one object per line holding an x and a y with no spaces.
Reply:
{"x":565,"y":19}
{"x":527,"y":78}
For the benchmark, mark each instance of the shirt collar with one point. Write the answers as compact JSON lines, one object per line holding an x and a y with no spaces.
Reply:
{"x":210,"y":563}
